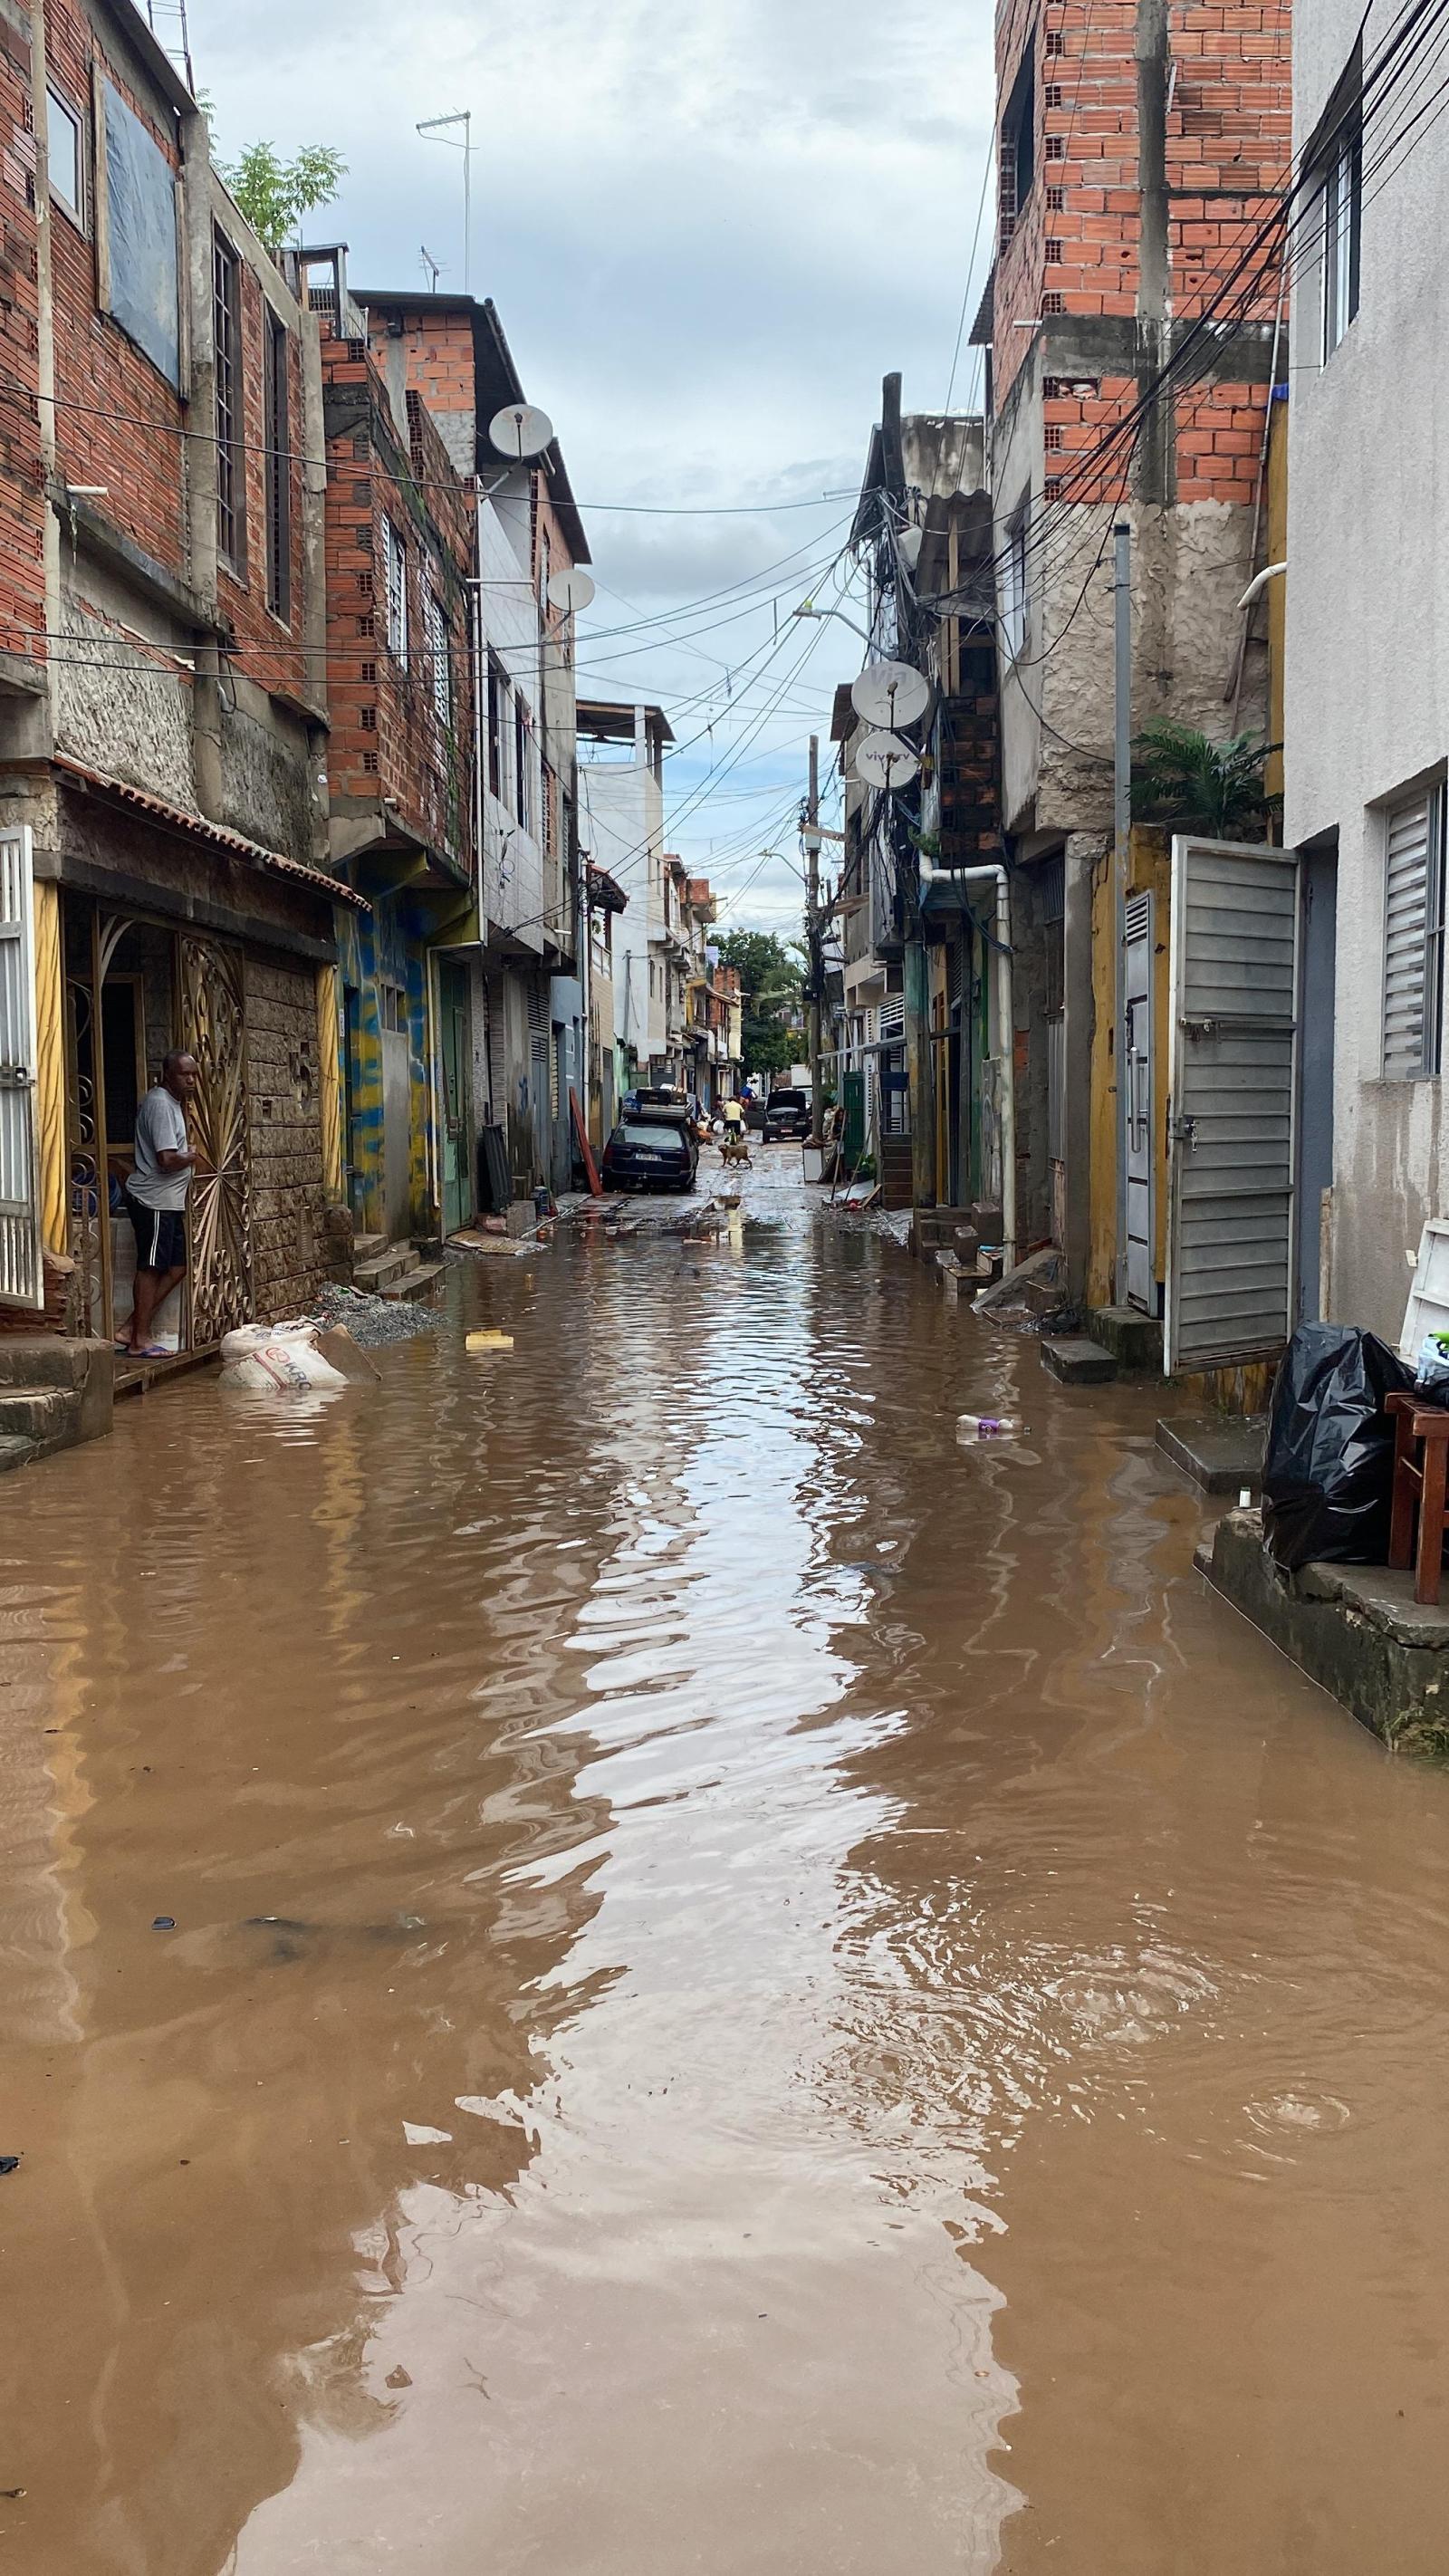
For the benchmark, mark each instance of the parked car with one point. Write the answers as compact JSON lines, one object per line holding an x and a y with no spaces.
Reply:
{"x":652,"y":1148}
{"x":787,"y":1113}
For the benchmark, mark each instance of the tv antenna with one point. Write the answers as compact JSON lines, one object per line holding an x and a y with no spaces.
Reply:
{"x":432,"y":127}
{"x":432,"y":268}
{"x":890,"y":694}
{"x":883,"y":760}
{"x":520,"y":431}
{"x":571,"y":590}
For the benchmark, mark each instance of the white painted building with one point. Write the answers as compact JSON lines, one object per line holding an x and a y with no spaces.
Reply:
{"x":621,"y":826}
{"x":1366,"y":714}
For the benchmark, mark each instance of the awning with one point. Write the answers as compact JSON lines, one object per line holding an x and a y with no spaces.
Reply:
{"x":198,"y":827}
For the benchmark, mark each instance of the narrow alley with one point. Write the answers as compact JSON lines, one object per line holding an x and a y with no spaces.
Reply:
{"x":623,"y":1957}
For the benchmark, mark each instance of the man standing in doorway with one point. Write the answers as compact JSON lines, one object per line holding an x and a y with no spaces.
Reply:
{"x":156,"y":1195}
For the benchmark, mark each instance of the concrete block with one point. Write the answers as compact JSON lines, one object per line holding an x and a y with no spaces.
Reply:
{"x":1356,"y":1630}
{"x":1134,"y":1340}
{"x":15,"y":1451}
{"x":45,"y":1415}
{"x":1220,"y":1452}
{"x":1076,"y":1361}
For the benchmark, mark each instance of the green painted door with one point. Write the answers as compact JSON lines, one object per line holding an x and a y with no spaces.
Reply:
{"x":456,"y":1139}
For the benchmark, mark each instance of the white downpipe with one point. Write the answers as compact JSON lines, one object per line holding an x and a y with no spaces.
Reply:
{"x":993,"y":873}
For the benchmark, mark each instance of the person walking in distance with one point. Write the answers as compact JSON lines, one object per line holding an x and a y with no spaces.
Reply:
{"x":156,"y":1196}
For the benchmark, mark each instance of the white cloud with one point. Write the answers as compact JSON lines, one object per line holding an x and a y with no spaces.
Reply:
{"x":709,"y":233}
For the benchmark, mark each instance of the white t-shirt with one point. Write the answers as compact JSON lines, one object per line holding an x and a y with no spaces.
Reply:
{"x":160,"y":1129}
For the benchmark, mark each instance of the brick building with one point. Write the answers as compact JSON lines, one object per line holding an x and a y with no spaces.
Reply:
{"x":524,"y":970}
{"x":399,"y":556}
{"x":914,"y":1029}
{"x":162,"y":709}
{"x":1137,"y":151}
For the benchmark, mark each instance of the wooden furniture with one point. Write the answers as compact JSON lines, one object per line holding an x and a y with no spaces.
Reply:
{"x":1421,"y":1478}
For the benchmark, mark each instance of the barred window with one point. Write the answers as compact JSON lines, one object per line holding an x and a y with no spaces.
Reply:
{"x":278,"y":460}
{"x":439,"y":662}
{"x":230,"y":451}
{"x":1017,"y":145}
{"x":397,"y":592}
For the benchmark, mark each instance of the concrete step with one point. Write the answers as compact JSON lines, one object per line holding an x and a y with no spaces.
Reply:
{"x":1221,"y":1452}
{"x":380,"y":1275}
{"x":1076,"y":1361}
{"x":15,"y":1452}
{"x":43,"y":1416}
{"x":1134,"y":1339}
{"x":366,"y":1247}
{"x":411,"y":1283}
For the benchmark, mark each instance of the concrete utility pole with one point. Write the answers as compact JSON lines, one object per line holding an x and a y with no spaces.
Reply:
{"x":813,"y":941}
{"x":1121,"y":862}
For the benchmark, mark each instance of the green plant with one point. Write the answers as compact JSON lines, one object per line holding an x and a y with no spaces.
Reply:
{"x":274,"y":194}
{"x":1183,"y":778}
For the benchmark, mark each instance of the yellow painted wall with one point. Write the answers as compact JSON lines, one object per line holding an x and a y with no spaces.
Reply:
{"x":50,"y":1067}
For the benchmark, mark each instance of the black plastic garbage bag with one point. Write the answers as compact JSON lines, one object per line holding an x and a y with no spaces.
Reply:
{"x":1329,"y":1473}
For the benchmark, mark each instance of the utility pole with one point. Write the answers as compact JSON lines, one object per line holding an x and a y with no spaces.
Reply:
{"x":1121,"y":862}
{"x":813,"y":941}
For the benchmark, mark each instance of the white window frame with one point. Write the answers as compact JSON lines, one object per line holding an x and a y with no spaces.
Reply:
{"x":1016,"y":582}
{"x":57,"y":105}
{"x":1414,"y":936}
{"x":439,"y":659}
{"x":395,"y":555}
{"x":1341,"y":199}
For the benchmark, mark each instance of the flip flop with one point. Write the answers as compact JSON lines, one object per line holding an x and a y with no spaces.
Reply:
{"x":153,"y":1351}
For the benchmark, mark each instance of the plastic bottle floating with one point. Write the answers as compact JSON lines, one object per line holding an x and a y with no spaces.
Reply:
{"x":987,"y":1426}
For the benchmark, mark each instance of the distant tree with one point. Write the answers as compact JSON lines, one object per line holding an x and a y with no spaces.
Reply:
{"x":274,"y":194}
{"x":772,"y":975}
{"x":1183,"y":778}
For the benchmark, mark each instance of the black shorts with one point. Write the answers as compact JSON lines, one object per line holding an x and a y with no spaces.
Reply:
{"x":160,"y":1235}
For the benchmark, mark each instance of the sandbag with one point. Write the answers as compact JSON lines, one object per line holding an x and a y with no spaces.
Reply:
{"x":281,"y":1359}
{"x":1329,"y":1472}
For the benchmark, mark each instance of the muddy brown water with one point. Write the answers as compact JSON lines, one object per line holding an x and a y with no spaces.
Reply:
{"x":751,"y":1989}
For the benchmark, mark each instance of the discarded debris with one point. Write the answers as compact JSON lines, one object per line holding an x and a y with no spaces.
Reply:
{"x":9,"y":2164}
{"x":987,"y":1426}
{"x":163,"y":1922}
{"x":372,"y":1321}
{"x":489,"y":1341}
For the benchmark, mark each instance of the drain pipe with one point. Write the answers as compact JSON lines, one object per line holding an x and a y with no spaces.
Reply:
{"x":992,"y":873}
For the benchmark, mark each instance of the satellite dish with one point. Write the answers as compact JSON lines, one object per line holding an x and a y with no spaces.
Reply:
{"x":571,"y":591}
{"x":883,"y":760}
{"x":890,"y":694}
{"x":520,"y":432}
{"x":908,"y":546}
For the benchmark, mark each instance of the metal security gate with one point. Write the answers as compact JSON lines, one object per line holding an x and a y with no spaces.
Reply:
{"x":213,"y":1029}
{"x":22,"y":1277}
{"x":1234,"y":1042}
{"x":1140,"y":1140}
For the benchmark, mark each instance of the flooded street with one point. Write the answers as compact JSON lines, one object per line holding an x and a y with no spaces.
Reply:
{"x":751,"y":1988}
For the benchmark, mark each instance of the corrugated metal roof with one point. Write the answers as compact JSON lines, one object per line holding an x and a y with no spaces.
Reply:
{"x":200,"y":828}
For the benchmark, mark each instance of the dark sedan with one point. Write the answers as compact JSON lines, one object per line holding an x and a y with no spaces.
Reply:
{"x":787,"y":1113}
{"x":652,"y":1149}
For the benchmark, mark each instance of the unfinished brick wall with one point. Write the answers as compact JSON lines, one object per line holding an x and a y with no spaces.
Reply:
{"x":22,"y":545}
{"x":388,"y":740}
{"x":290,"y":1250}
{"x":1074,"y":249}
{"x":268,"y":649}
{"x":118,"y":418}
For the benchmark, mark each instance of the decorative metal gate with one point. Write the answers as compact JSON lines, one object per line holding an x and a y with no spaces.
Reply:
{"x":213,"y":1029}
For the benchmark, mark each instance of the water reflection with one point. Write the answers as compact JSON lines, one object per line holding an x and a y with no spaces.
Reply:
{"x":752,"y":1986}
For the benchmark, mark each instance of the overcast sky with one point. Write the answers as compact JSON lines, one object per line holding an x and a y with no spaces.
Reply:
{"x":709,"y":229}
